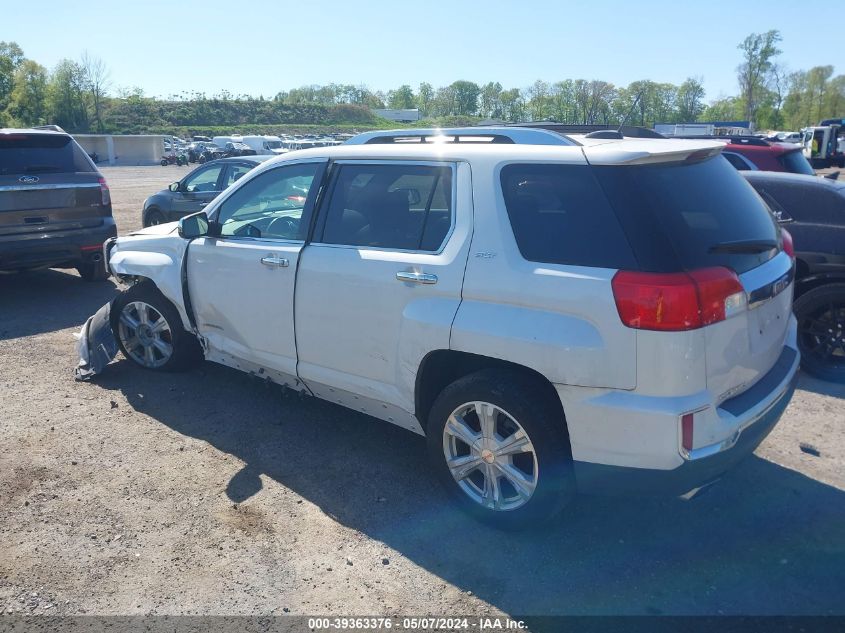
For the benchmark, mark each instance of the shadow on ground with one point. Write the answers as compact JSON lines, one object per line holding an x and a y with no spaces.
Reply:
{"x":47,"y":300}
{"x":822,"y":387}
{"x":765,"y":540}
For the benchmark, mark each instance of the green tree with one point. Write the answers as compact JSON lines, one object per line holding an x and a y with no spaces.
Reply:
{"x":490,"y":100}
{"x":537,"y":101}
{"x":513,"y":105}
{"x":723,"y":109}
{"x":690,"y":100}
{"x":402,"y":98}
{"x":465,"y":97}
{"x":425,"y":98}
{"x":66,"y":97}
{"x":28,"y":101}
{"x":11,"y":57}
{"x":754,"y":73}
{"x":96,"y":78}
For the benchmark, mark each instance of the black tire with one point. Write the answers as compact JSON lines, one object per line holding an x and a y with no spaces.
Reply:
{"x":164,"y":162}
{"x":186,"y":350}
{"x":93,"y":271}
{"x":153,"y":217}
{"x":821,"y":331}
{"x":526,"y":400}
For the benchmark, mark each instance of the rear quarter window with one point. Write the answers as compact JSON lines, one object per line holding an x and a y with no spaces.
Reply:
{"x":559,"y":215}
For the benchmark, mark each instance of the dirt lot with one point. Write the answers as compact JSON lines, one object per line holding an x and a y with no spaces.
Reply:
{"x":210,"y":493}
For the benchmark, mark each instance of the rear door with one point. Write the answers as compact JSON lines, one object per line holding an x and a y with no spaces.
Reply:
{"x":379,"y":286}
{"x":47,"y":183}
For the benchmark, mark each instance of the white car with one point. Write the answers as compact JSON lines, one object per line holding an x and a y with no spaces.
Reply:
{"x":577,"y":313}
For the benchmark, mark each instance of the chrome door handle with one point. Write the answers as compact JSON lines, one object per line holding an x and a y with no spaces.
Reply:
{"x":417,"y":278}
{"x":275,"y":261}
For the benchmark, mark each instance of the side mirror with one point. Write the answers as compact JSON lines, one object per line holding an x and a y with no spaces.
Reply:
{"x":195,"y":225}
{"x":174,"y":186}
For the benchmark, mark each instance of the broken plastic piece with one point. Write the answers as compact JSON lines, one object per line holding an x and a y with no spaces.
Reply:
{"x":96,"y":344}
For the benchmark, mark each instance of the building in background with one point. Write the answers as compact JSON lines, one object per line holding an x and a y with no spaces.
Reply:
{"x":123,"y":149}
{"x":400,"y":116}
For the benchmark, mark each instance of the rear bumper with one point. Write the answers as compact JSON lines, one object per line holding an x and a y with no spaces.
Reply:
{"x":757,"y":411}
{"x":54,"y":248}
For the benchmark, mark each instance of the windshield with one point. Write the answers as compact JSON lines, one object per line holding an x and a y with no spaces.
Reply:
{"x":681,"y":216}
{"x":41,"y":154}
{"x":273,"y":144}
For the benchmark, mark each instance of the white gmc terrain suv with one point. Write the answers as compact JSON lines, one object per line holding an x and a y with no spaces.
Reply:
{"x":554,"y":313}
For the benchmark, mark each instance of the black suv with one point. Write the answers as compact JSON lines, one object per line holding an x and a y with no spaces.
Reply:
{"x":813,"y":211}
{"x":55,"y":207}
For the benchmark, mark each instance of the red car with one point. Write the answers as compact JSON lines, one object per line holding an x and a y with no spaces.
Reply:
{"x":752,"y":153}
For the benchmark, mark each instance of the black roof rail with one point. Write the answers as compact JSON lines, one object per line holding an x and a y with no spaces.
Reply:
{"x":430,"y":136}
{"x":629,"y":131}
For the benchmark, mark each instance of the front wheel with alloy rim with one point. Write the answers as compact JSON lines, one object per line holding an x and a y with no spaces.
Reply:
{"x":499,"y":444}
{"x":821,"y":331}
{"x":149,"y":330}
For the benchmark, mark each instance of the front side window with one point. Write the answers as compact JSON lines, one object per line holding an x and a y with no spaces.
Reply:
{"x":204,"y":180}
{"x":397,"y":206}
{"x":270,"y":205}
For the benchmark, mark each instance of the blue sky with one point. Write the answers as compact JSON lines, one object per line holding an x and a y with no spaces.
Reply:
{"x":261,"y":47}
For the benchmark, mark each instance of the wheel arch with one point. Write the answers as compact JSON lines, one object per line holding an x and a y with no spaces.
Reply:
{"x":151,"y":209}
{"x":806,"y":282}
{"x":440,"y":368}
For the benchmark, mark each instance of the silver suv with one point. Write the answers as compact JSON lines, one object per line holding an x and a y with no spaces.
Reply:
{"x":554,"y":315}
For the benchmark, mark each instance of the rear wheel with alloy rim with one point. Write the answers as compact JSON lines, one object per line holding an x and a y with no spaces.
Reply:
{"x":149,"y":330}
{"x":499,"y":444}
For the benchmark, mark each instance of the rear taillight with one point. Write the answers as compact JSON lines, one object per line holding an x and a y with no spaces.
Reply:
{"x":788,"y":246}
{"x":677,"y":301}
{"x":105,"y":194}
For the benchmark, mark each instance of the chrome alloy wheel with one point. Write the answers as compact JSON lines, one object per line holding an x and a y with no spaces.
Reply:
{"x":145,"y":334}
{"x":490,"y":456}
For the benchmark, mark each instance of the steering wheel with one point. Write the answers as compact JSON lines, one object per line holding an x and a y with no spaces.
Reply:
{"x":289,"y":227}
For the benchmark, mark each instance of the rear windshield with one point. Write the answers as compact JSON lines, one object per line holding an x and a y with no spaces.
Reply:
{"x":796,"y":163}
{"x":683,"y":216}
{"x":41,"y":154}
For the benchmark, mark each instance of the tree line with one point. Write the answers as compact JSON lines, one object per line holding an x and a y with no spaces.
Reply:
{"x":79,"y":96}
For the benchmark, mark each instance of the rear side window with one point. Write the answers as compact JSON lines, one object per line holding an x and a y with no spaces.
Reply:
{"x":41,"y":154}
{"x":560,"y":215}
{"x":398,"y":206}
{"x":796,"y":163}
{"x":683,"y":216}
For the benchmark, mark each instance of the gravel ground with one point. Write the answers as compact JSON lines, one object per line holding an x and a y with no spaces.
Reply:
{"x":211,"y":493}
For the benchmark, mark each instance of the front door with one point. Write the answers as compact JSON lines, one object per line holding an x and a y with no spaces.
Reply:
{"x":198,"y":189}
{"x":242,"y":283}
